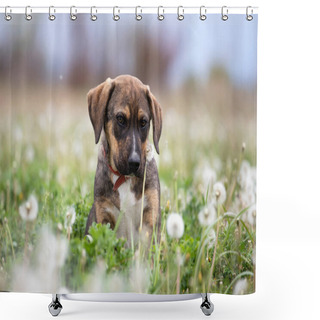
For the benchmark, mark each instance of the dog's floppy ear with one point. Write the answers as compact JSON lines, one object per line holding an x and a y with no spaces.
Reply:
{"x":98,"y":99}
{"x":156,"y":117}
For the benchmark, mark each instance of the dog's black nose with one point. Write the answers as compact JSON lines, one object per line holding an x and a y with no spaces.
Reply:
{"x":134,"y":162}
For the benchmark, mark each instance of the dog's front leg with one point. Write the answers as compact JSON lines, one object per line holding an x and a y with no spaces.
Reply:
{"x":151,"y":215}
{"x":104,"y":209}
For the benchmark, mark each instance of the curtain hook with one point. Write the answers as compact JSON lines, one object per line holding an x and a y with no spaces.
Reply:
{"x":249,"y":17}
{"x":203,"y":12}
{"x":6,"y":14}
{"x":28,"y":12}
{"x":224,"y":15}
{"x":73,"y":16}
{"x":138,"y":16}
{"x":160,"y":16}
{"x":116,"y":17}
{"x":93,"y":16}
{"x":180,"y":15}
{"x":52,"y":16}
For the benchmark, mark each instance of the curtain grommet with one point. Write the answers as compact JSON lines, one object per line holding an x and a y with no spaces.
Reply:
{"x":73,"y":15}
{"x":138,"y":16}
{"x":249,"y":17}
{"x":180,"y":13}
{"x":224,"y":13}
{"x":28,"y":12}
{"x":7,"y":16}
{"x":116,"y":17}
{"x":93,"y":17}
{"x":160,"y":16}
{"x":203,"y":13}
{"x":52,"y":10}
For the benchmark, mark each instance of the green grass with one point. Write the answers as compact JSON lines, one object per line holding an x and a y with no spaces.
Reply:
{"x":60,"y":173}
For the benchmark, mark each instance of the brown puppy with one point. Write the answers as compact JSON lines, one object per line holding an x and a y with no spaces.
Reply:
{"x":121,"y":111}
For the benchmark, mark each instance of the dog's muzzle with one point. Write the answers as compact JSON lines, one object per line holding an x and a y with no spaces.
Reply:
{"x":134,"y":162}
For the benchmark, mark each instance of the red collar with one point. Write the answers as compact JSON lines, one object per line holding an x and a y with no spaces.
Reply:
{"x":122,"y":179}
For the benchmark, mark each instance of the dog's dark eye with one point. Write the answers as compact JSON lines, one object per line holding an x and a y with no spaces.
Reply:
{"x":121,"y":120}
{"x":143,"y":123}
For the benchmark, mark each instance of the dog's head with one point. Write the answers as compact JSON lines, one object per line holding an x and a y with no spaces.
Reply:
{"x":124,"y":107}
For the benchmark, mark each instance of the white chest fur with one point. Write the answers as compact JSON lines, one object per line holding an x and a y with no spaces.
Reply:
{"x":130,"y":212}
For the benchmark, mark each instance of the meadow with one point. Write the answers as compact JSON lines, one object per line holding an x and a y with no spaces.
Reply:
{"x":207,"y":169}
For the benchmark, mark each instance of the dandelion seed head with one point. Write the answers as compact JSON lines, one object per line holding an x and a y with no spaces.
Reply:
{"x":219,"y":192}
{"x":166,"y":155}
{"x":206,"y":175}
{"x":18,"y":134}
{"x":95,"y":282}
{"x":250,"y":215}
{"x":207,"y":215}
{"x":70,"y":218}
{"x":245,"y":175}
{"x":29,"y":210}
{"x":77,"y":147}
{"x":175,"y":225}
{"x":253,"y":257}
{"x":89,"y":238}
{"x":115,"y":282}
{"x":139,"y":277}
{"x":241,"y":286}
{"x":52,"y":250}
{"x":29,"y":154}
{"x":211,"y":238}
{"x":51,"y":253}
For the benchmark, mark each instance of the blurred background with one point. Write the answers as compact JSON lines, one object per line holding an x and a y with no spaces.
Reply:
{"x":203,"y":73}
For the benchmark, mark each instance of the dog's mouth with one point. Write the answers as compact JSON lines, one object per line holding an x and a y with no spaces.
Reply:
{"x":129,"y":173}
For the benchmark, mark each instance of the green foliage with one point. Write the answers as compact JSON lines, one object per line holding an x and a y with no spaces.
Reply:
{"x":63,"y":181}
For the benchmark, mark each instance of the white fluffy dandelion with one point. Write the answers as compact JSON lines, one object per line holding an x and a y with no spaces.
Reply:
{"x":219,"y":192}
{"x":250,"y":215}
{"x":139,"y":277}
{"x":29,"y":210}
{"x":245,"y":175}
{"x":241,"y":286}
{"x":175,"y":225}
{"x":207,"y":215}
{"x":211,"y":238}
{"x":70,"y":218}
{"x":44,"y":275}
{"x":206,"y":175}
{"x":29,"y":154}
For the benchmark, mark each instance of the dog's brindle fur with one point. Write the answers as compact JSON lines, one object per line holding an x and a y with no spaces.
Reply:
{"x":120,"y":111}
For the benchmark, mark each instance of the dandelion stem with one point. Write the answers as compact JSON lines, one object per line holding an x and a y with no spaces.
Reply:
{"x":178,"y":279}
{"x":142,"y":205}
{"x":176,"y":194}
{"x":234,"y":181}
{"x":143,"y":187}
{"x":214,"y":253}
{"x":10,"y":238}
{"x":26,"y":241}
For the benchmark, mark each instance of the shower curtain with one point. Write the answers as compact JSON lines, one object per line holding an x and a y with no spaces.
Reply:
{"x":128,"y":154}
